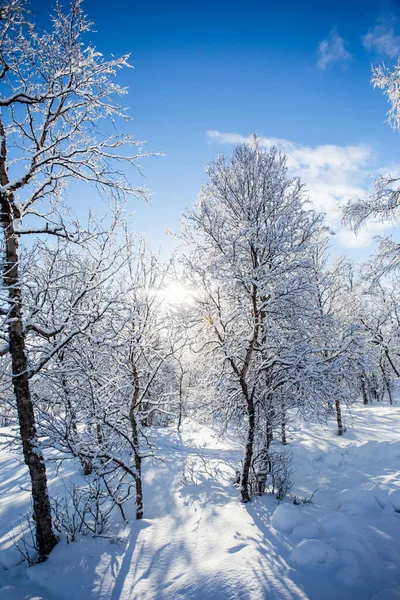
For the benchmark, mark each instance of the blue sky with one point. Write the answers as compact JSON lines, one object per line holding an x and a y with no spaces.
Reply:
{"x":297,"y":73}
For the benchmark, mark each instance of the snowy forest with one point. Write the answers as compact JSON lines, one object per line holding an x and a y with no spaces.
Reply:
{"x":221,"y":422}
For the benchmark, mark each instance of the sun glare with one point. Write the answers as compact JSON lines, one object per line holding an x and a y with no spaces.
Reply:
{"x":175,"y":293}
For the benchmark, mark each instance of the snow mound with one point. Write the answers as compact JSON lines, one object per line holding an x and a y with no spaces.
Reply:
{"x":379,"y":451}
{"x":336,"y":524}
{"x":286,"y":517}
{"x":306,"y":531}
{"x":348,"y":575}
{"x":333,"y":459}
{"x":311,"y":551}
{"x":356,"y":500}
{"x":309,"y":453}
{"x":355,"y":545}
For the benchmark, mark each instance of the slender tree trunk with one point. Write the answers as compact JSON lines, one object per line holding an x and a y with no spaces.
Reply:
{"x":45,"y":538}
{"x":266,"y":465}
{"x":373,"y":386}
{"x":248,"y":457}
{"x":180,"y":416}
{"x":270,"y":423}
{"x":387,"y":384}
{"x":136,"y":442}
{"x":391,"y":363}
{"x":364,"y":390}
{"x":283,"y":427}
{"x":138,"y":469}
{"x":245,"y":491}
{"x":339,"y":417}
{"x":244,"y":488}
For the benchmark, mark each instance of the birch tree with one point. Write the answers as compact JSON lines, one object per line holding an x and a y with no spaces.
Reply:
{"x":56,"y":92}
{"x":250,"y":234}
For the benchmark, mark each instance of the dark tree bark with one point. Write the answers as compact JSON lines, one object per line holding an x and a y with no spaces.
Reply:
{"x":135,"y":441}
{"x":249,"y":399}
{"x":270,"y":423}
{"x":248,"y":457}
{"x":387,"y":383}
{"x":45,"y":538}
{"x":180,"y":415}
{"x":339,"y":417}
{"x":283,"y":428}
{"x":373,"y":387}
{"x":138,"y":468}
{"x":249,"y":396}
{"x":364,"y":390}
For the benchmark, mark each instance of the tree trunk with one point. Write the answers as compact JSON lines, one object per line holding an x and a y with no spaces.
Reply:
{"x":387,"y":384}
{"x":138,"y":467}
{"x":339,"y":417}
{"x":45,"y":538}
{"x":266,"y":466}
{"x":373,"y":386}
{"x":283,"y":428}
{"x":270,"y":422}
{"x":364,"y":390}
{"x":244,"y":487}
{"x":135,"y":440}
{"x":180,"y":416}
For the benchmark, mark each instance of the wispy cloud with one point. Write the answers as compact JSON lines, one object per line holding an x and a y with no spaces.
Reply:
{"x":333,"y":174}
{"x":384,"y":38}
{"x":332,"y":50}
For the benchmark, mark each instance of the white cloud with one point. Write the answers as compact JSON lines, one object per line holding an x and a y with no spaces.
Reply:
{"x":364,"y":238}
{"x":333,"y":174}
{"x":384,"y":37}
{"x":331,"y":50}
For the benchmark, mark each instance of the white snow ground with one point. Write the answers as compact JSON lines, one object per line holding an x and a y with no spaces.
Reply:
{"x":198,"y":542}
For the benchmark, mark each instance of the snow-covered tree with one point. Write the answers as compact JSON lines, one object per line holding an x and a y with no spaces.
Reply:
{"x":251,"y":234}
{"x":337,"y":330}
{"x":142,"y":384}
{"x":384,"y":200}
{"x":56,"y":92}
{"x":377,"y":310}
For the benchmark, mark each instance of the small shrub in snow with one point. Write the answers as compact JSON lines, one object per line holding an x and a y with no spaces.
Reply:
{"x":298,"y":500}
{"x":83,"y":510}
{"x":198,"y":468}
{"x":271,"y":470}
{"x":281,"y":474}
{"x":25,"y":541}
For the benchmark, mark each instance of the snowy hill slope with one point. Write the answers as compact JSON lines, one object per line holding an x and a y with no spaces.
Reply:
{"x":198,"y":542}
